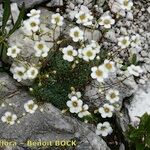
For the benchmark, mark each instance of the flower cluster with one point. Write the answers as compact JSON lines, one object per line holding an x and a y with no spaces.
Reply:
{"x":121,"y":7}
{"x":106,"y":21}
{"x":101,"y":72}
{"x":41,"y":49}
{"x":76,"y":105}
{"x":24,"y":72}
{"x":112,"y":96}
{"x":78,"y":48}
{"x":34,"y":31}
{"x":104,"y":129}
{"x":126,"y":41}
{"x":57,"y":19}
{"x":84,"y":18}
{"x":89,"y":52}
{"x":10,"y":118}
{"x":31,"y":25}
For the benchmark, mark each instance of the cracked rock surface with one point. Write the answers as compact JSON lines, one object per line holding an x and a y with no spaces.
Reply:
{"x":49,"y":124}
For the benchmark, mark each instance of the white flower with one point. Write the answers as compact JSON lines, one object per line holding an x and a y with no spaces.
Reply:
{"x":106,"y":21}
{"x":32,"y":72}
{"x":41,"y":49}
{"x":95,"y":46}
{"x":135,"y":40}
{"x":135,"y":70}
{"x":9,"y":118}
{"x":76,"y":34}
{"x":82,"y":8}
{"x":57,"y":19}
{"x":84,"y":111}
{"x":30,"y":107}
{"x":69,"y":53}
{"x":88,"y":53}
{"x":109,"y":66}
{"x":106,"y":110}
{"x":126,"y":4}
{"x":26,"y":31}
{"x":32,"y":24}
{"x":123,"y":42}
{"x":19,"y":73}
{"x":84,"y":18}
{"x":34,"y":13}
{"x":112,"y":95}
{"x":104,"y":129}
{"x":75,"y":105}
{"x":99,"y":73}
{"x":74,"y":93}
{"x":13,"y":51}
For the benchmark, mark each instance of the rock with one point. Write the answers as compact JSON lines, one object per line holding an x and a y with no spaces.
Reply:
{"x":140,"y":103}
{"x":148,"y":9}
{"x":26,"y":43}
{"x":125,"y":88}
{"x":92,"y":35}
{"x":122,"y":147}
{"x":29,"y":3}
{"x":14,"y":11}
{"x":47,"y":125}
{"x":55,"y":3}
{"x":7,"y":86}
{"x":100,"y":2}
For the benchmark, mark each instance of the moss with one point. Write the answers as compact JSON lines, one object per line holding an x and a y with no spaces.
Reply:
{"x":56,"y":87}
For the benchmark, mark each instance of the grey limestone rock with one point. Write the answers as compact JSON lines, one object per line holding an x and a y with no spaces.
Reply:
{"x":29,"y":3}
{"x":140,"y":103}
{"x":47,"y":125}
{"x":100,"y":2}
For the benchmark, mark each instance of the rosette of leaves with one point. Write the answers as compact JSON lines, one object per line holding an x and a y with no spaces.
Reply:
{"x":140,"y":136}
{"x":4,"y":34}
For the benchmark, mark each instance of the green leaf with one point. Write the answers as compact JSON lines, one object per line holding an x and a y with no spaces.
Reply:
{"x":124,"y":67}
{"x":1,"y":50}
{"x":18,"y":22}
{"x":1,"y":69}
{"x":147,"y":140}
{"x":6,"y":13}
{"x":4,"y":54}
{"x":140,"y":146}
{"x":134,"y":59}
{"x":145,"y":122}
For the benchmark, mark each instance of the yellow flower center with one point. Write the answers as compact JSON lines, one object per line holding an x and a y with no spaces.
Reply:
{"x":89,"y":53}
{"x":33,"y":72}
{"x":75,"y":104}
{"x":82,"y":17}
{"x":99,"y":73}
{"x":108,"y":66}
{"x":40,"y":46}
{"x":76,"y":34}
{"x":30,"y":106}
{"x":125,"y":2}
{"x":13,"y":51}
{"x":106,"y":109}
{"x":124,"y":41}
{"x":103,"y":128}
{"x":70,"y":53}
{"x":20,"y":73}
{"x":57,"y":19}
{"x":33,"y":24}
{"x":112,"y":95}
{"x":9,"y":118}
{"x":106,"y":21}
